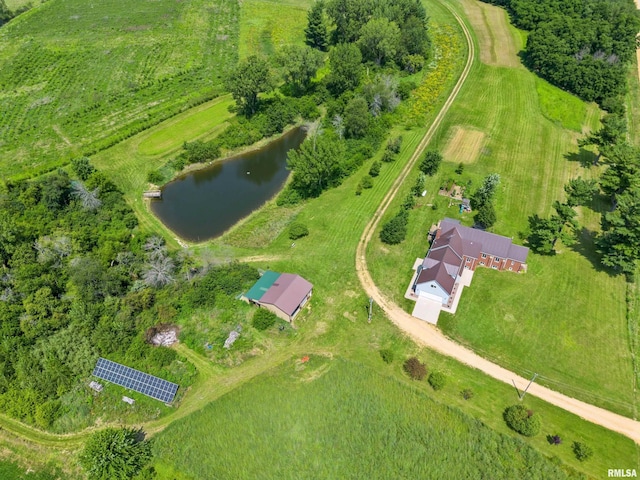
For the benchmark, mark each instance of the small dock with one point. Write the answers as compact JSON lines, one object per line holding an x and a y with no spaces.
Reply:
{"x":152,"y":194}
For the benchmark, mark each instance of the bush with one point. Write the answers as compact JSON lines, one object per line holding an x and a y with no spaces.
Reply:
{"x":405,"y":89}
{"x":395,"y":145}
{"x":297,"y":230}
{"x":395,"y":230}
{"x":263,"y":319}
{"x":154,"y":176}
{"x":582,"y":451}
{"x":415,"y":368}
{"x":413,"y":63}
{"x":430,"y":163}
{"x":367,"y":181}
{"x":467,"y":394}
{"x":374,"y":171}
{"x":460,"y":168}
{"x":359,"y":190}
{"x":387,"y":355}
{"x":409,"y":202}
{"x":522,"y":420}
{"x":437,"y":380}
{"x":388,"y":156}
{"x":288,"y":197}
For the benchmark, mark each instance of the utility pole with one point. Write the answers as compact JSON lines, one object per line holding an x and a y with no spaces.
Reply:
{"x":521,"y":395}
{"x":370,"y":308}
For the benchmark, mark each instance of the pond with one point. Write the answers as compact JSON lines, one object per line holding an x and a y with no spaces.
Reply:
{"x":205,"y":203}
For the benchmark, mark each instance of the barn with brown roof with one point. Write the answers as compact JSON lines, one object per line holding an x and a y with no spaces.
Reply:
{"x":284,"y":294}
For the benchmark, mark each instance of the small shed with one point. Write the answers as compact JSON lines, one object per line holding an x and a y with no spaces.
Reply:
{"x":283,"y":294}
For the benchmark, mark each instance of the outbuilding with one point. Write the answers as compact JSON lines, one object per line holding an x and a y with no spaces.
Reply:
{"x":281,"y":293}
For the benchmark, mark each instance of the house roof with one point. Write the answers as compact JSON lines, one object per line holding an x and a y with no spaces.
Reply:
{"x":437,"y":273}
{"x":262,"y":285}
{"x":445,"y":255}
{"x":489,"y":243}
{"x":287,"y":292}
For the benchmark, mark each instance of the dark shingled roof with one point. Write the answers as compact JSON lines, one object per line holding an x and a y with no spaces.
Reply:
{"x":444,"y":255}
{"x":489,"y":243}
{"x":439,"y":274}
{"x":287,"y":292}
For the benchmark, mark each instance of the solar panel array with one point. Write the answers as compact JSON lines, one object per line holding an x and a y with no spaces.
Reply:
{"x":133,"y":379}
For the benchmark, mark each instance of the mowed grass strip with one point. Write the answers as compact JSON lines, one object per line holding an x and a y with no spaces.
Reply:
{"x":496,"y":43}
{"x":464,"y":145}
{"x":573,"y":330}
{"x":268,"y":25}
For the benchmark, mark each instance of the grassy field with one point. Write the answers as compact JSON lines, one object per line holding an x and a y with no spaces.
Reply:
{"x":633,"y":103}
{"x":370,"y":426}
{"x":565,"y":319}
{"x":76,"y":77}
{"x":268,"y":25}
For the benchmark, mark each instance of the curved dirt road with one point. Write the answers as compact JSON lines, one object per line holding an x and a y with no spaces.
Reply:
{"x":429,"y":336}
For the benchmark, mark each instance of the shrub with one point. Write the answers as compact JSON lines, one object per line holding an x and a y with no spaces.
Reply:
{"x":387,"y":355}
{"x":154,"y":176}
{"x":359,"y":189}
{"x":582,"y":451}
{"x":394,"y":145}
{"x":437,"y":380}
{"x":415,"y":368}
{"x":418,"y":187}
{"x":522,"y":420}
{"x":395,"y":230}
{"x":374,"y":171}
{"x":430,"y":163}
{"x":405,"y":89}
{"x":287,"y":197}
{"x":388,"y":156}
{"x":367,"y":181}
{"x":413,"y":63}
{"x":467,"y":394}
{"x":409,"y":202}
{"x":554,"y":439}
{"x":298,"y":230}
{"x":460,"y":168}
{"x":263,"y":319}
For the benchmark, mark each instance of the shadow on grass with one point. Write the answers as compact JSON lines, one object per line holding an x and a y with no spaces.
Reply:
{"x":585,"y":158}
{"x":586,"y":246}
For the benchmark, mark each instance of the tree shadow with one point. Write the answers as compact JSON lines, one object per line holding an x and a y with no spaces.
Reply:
{"x":585,"y":158}
{"x":586,"y":246}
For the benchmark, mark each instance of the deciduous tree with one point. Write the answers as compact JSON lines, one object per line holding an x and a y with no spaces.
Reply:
{"x":299,"y":64}
{"x":250,"y":78}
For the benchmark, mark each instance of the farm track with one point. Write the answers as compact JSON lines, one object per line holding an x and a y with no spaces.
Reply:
{"x":429,"y":336}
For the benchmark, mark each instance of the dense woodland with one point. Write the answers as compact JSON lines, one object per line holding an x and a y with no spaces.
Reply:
{"x":78,"y":281}
{"x":583,"y":46}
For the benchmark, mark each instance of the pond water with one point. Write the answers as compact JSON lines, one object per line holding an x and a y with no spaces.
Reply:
{"x":203,"y":204}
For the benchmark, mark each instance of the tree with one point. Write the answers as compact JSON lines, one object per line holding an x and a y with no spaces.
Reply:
{"x":82,"y":168}
{"x":356,"y":118}
{"x":348,"y":17}
{"x":316,"y":34}
{"x":115,"y":453}
{"x":345,"y":61}
{"x":159,"y":272}
{"x":5,"y":13}
{"x":316,"y":168}
{"x":580,"y":192}
{"x":88,"y":199}
{"x":395,"y":230}
{"x":300,"y":64}
{"x":430,"y":163}
{"x":250,"y":77}
{"x":582,"y":451}
{"x":486,"y":215}
{"x":522,"y":420}
{"x":612,"y":132}
{"x":418,"y":187}
{"x":379,"y":40}
{"x":487,"y":190}
{"x":543,"y":233}
{"x":374,"y":171}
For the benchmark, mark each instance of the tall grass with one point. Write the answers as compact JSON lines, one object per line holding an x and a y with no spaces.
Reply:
{"x":339,"y":419}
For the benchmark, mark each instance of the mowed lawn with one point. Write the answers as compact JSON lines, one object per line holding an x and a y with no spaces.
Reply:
{"x":76,"y":77}
{"x":334,"y":418}
{"x":566,"y":318}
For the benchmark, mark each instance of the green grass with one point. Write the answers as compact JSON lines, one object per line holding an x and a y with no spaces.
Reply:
{"x":380,"y":425}
{"x":268,"y":25}
{"x":561,"y":107}
{"x":565,"y":319}
{"x":633,"y":104}
{"x":77,"y":77}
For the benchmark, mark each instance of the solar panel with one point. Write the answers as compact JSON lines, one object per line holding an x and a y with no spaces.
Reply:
{"x":133,"y":379}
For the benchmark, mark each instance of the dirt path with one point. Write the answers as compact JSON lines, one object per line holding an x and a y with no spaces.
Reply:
{"x":431,"y":337}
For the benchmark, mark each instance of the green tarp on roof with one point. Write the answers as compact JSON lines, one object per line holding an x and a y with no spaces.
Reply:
{"x":267,"y":279}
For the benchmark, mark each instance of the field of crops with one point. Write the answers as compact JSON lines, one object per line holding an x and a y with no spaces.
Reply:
{"x":76,"y":77}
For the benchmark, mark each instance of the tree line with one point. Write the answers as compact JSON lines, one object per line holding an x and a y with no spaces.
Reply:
{"x":583,"y":46}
